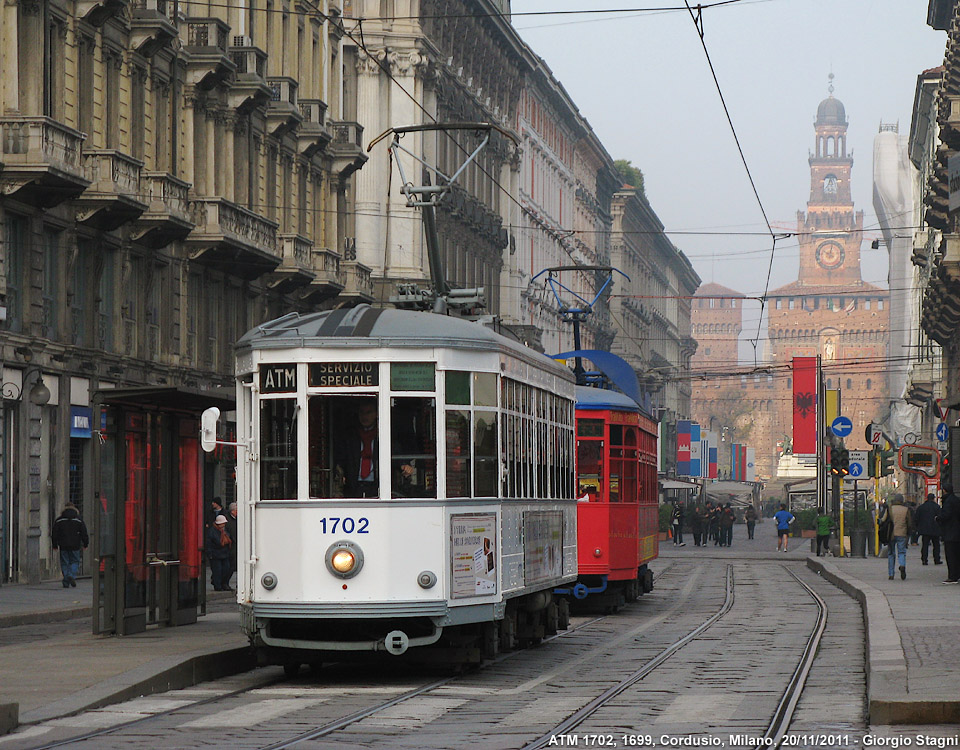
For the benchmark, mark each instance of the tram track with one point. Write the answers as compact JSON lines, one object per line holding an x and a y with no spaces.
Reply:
{"x":332,"y":726}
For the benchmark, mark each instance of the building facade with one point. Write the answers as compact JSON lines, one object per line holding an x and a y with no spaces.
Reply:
{"x":829,"y":311}
{"x":651,"y":310}
{"x":171,"y":175}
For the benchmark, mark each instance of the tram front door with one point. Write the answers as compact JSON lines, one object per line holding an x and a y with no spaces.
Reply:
{"x":149,"y":531}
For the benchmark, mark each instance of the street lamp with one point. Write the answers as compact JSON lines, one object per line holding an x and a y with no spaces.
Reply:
{"x":39,"y":394}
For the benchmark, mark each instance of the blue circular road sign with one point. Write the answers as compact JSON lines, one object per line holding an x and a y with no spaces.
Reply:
{"x":841,"y":426}
{"x":856,"y":469}
{"x":943,"y":432}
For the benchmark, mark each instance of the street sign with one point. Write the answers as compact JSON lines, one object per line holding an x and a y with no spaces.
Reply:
{"x":858,"y":464}
{"x":841,"y":426}
{"x":874,"y":434}
{"x":943,"y":432}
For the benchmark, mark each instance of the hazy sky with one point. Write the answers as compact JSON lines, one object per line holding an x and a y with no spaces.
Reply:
{"x":643,"y":83}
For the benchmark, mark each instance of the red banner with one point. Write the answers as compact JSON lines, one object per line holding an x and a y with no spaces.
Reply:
{"x":804,"y":405}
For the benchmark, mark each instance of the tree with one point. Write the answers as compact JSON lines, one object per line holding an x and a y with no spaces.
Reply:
{"x":630,"y":174}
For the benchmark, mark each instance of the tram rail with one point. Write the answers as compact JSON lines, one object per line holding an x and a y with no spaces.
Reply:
{"x":327,"y":728}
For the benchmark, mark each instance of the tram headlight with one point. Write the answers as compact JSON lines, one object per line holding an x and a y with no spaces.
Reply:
{"x":344,"y":559}
{"x":598,"y":552}
{"x":427,"y":579}
{"x":268,"y":581}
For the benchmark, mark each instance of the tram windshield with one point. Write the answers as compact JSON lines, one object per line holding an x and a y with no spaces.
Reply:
{"x":344,"y":447}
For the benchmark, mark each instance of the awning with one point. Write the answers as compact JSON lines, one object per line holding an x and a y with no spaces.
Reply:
{"x":677,"y":484}
{"x":170,"y":398}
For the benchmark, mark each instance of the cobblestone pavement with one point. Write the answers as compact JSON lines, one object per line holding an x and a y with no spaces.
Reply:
{"x":726,"y":683}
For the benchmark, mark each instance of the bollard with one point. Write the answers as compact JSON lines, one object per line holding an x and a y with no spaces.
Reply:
{"x":858,"y":543}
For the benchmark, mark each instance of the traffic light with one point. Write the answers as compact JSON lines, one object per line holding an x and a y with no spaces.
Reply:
{"x":886,"y":462}
{"x":872,"y":462}
{"x":839,"y":462}
{"x":944,"y":463}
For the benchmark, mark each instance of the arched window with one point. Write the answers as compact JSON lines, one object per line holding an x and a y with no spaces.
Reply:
{"x":869,"y":384}
{"x":830,"y":187}
{"x":829,"y":383}
{"x":849,"y":383}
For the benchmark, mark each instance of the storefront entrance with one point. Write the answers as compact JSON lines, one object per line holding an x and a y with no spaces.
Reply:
{"x":148,"y":533}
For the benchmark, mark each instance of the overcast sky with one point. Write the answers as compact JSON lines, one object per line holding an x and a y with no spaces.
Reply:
{"x":643,"y":83}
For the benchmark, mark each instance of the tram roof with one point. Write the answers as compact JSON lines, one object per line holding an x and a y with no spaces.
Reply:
{"x":366,"y":326}
{"x":601,"y":398}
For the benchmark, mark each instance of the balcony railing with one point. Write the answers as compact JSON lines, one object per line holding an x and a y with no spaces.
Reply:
{"x":327,"y":266}
{"x":234,"y":239}
{"x":41,"y":159}
{"x":40,"y":141}
{"x":249,"y":60}
{"x":167,"y":217}
{"x":347,"y":133}
{"x":112,"y":171}
{"x":152,"y":25}
{"x":235,"y":222}
{"x":296,"y":251}
{"x":209,"y":63}
{"x":358,"y":281}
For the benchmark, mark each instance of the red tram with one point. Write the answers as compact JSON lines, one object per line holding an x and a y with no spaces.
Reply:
{"x":617,"y":521}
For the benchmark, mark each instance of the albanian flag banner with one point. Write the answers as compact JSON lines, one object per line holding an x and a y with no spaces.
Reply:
{"x":805,"y":405}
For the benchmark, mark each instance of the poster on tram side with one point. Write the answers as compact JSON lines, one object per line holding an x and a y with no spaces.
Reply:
{"x":473,"y":555}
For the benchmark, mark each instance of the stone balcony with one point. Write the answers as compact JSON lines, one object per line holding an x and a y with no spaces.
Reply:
{"x":208,"y":63}
{"x":347,"y":147}
{"x":358,"y":282}
{"x":283,"y":114}
{"x":41,"y":161}
{"x":296,"y":267}
{"x":231,"y":238}
{"x":313,"y":135}
{"x":167,"y":217}
{"x":328,"y":280}
{"x":152,"y":25}
{"x":250,"y":88}
{"x":98,"y":12}
{"x":114,"y":196}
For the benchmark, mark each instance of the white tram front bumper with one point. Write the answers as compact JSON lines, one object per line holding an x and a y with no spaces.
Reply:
{"x":405,"y":583}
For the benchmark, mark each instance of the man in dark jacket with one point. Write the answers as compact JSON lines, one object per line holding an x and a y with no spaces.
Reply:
{"x":949,"y":520}
{"x":727,"y":519}
{"x":70,"y":536}
{"x":928,"y":529}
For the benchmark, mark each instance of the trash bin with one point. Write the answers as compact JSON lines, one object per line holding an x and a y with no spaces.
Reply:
{"x":858,"y":543}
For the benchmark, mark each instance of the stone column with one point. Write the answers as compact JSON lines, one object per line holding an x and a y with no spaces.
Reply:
{"x":370,"y":183}
{"x":406,"y":247}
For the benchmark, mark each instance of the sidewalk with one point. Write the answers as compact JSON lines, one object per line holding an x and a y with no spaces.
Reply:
{"x":912,"y":627}
{"x":50,"y":670}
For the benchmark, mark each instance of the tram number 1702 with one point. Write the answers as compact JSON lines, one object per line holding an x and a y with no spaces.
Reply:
{"x":346,"y":525}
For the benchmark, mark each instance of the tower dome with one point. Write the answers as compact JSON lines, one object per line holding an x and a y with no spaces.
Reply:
{"x":831,"y":112}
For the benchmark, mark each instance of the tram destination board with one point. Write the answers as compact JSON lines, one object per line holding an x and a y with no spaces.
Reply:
{"x":344,"y":374}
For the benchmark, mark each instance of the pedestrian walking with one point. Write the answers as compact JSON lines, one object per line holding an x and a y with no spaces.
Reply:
{"x":232,"y":531}
{"x":715,"y":524}
{"x":751,"y":518}
{"x":929,"y":529}
{"x":727,"y":519}
{"x":825,"y":525}
{"x":902,"y":520}
{"x":949,"y":520}
{"x":696,"y":525}
{"x":914,"y":535}
{"x":783,"y":518}
{"x":213,"y":510}
{"x":69,"y":535}
{"x":218,"y":553}
{"x":677,"y":523}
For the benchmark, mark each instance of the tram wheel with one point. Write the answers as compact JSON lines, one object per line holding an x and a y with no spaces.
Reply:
{"x":291,"y":669}
{"x":563,"y":614}
{"x":552,"y":619}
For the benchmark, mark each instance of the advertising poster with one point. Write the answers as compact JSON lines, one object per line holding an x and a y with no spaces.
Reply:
{"x":542,"y":546}
{"x":473,"y":555}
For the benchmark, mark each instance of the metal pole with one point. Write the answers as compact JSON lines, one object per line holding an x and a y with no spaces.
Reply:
{"x":840,"y":485}
{"x":578,"y":370}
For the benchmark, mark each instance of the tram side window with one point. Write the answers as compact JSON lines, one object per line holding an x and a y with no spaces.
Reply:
{"x":413,"y":447}
{"x":590,"y":469}
{"x":278,"y":449}
{"x":485,"y":453}
{"x":457,"y":427}
{"x":616,"y":461}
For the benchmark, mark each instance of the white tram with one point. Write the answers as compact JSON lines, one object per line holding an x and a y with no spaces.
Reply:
{"x":450,"y":525}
